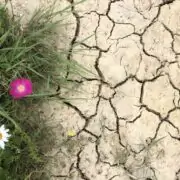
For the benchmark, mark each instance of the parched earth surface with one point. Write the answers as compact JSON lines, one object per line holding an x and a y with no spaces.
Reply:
{"x":125,"y":124}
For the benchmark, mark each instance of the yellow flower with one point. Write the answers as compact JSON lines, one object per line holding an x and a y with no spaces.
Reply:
{"x":71,"y":133}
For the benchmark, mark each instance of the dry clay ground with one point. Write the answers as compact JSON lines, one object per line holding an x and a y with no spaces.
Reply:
{"x":128,"y":125}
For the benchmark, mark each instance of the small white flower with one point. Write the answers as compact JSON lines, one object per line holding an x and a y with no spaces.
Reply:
{"x":3,"y":136}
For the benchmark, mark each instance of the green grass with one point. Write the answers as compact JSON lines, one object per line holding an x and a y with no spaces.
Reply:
{"x":30,"y":53}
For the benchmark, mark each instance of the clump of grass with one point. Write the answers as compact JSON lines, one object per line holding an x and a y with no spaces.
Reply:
{"x":31,"y":53}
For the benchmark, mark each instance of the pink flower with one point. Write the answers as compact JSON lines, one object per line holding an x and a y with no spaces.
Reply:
{"x":20,"y":88}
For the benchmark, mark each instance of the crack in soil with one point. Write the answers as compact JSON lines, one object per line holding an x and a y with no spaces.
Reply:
{"x":101,"y":79}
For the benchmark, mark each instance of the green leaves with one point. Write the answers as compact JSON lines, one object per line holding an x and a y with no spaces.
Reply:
{"x":3,"y":174}
{"x":4,"y":21}
{"x":6,"y":116}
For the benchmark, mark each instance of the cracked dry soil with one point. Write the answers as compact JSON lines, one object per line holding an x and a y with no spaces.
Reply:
{"x":128,"y":125}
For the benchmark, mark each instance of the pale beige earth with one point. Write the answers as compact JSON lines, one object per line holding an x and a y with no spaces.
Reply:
{"x":127,"y":126}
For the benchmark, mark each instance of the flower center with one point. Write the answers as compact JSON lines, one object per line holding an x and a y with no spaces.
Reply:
{"x":1,"y":136}
{"x":21,"y":88}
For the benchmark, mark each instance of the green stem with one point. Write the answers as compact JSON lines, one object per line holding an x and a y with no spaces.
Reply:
{"x":5,"y":115}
